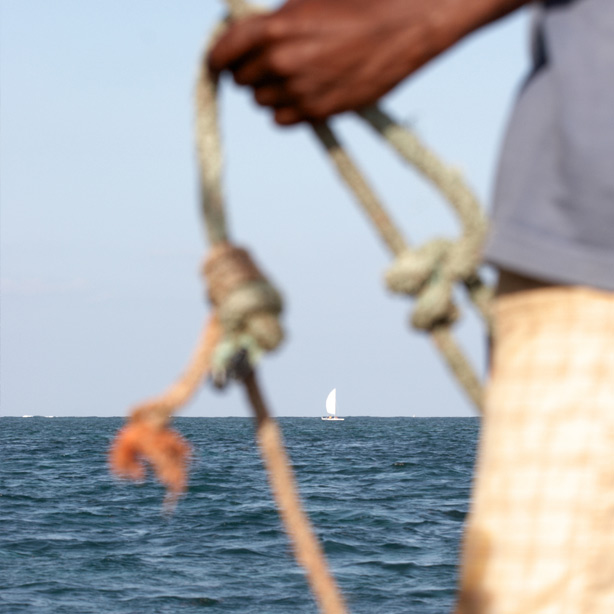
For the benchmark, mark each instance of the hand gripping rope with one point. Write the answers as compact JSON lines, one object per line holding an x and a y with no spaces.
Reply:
{"x":246,"y":307}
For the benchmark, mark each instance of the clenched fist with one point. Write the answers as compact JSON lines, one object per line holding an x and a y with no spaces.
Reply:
{"x":314,"y":58}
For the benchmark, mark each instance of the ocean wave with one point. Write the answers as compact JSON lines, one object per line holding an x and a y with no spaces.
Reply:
{"x":387,"y":499}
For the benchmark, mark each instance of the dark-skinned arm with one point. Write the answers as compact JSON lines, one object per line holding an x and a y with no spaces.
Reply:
{"x":314,"y":58}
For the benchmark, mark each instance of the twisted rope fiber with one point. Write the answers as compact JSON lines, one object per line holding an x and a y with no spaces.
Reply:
{"x":434,"y":310}
{"x":246,"y":303}
{"x":306,"y":547}
{"x":242,"y":296}
{"x":233,"y":281}
{"x":209,"y":150}
{"x":296,"y":524}
{"x":464,"y":257}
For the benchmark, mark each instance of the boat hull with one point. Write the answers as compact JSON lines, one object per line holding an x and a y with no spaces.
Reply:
{"x":331,"y":419}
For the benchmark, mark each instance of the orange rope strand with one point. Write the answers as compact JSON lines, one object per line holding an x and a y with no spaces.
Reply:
{"x":147,"y":440}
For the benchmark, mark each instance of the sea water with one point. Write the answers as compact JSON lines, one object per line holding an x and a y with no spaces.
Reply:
{"x":387,"y":498}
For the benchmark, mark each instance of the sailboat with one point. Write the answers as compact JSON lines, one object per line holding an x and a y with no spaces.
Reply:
{"x":331,"y":406}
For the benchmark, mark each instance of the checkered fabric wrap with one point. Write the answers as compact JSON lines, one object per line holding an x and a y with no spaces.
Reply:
{"x":540,"y":536}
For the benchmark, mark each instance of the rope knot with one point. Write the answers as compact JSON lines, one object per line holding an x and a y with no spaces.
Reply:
{"x":245,"y":301}
{"x":429,"y":273}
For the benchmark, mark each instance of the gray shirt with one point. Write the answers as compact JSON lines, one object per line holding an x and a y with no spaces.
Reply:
{"x":553,"y":216}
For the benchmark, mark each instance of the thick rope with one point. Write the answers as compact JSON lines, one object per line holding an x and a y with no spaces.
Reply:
{"x":249,"y":305}
{"x":306,"y":546}
{"x":466,"y":256}
{"x":239,"y":8}
{"x":244,"y":299}
{"x":434,"y":310}
{"x":362,"y":191}
{"x":209,"y":150}
{"x":448,"y":181}
{"x":246,"y":309}
{"x":428,"y":273}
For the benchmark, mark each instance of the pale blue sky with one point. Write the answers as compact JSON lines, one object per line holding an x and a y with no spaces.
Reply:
{"x":101,"y":241}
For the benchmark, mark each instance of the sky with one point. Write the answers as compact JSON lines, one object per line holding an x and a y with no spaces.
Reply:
{"x":100,"y":237}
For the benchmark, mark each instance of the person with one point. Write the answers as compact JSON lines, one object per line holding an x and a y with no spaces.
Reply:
{"x":540,"y":534}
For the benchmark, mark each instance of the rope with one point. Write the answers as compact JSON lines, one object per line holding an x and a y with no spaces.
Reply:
{"x":416,"y":272}
{"x":209,"y":149}
{"x":146,"y":437}
{"x":246,"y":309}
{"x":362,"y":191}
{"x":464,"y":256}
{"x":239,"y":8}
{"x":306,"y":547}
{"x":247,"y":303}
{"x":428,"y":273}
{"x":244,"y":299}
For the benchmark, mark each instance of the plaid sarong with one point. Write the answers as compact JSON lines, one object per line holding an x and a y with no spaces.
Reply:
{"x":540,"y":535}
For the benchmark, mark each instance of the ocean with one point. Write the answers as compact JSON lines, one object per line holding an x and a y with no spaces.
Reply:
{"x":387,"y":496}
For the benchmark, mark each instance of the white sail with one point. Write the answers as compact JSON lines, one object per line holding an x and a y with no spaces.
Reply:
{"x":331,"y":402}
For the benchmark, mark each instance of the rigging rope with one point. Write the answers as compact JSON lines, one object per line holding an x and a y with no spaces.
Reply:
{"x":246,"y":309}
{"x":427,"y":273}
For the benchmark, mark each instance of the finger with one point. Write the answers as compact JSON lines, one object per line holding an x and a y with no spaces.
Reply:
{"x":270,"y":63}
{"x":274,"y":95}
{"x":288,"y":116}
{"x":240,"y":40}
{"x":253,"y":71}
{"x":317,"y":107}
{"x":325,"y":102}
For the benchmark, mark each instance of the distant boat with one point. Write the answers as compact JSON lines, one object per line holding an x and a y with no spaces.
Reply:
{"x":331,"y":406}
{"x":27,"y":416}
